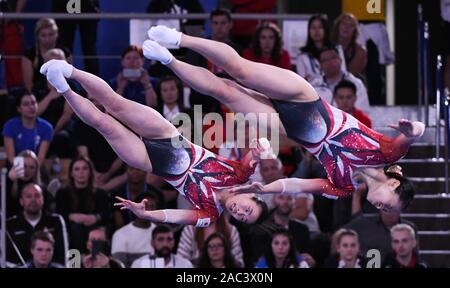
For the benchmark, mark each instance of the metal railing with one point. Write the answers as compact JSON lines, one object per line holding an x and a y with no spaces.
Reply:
{"x":3,"y":219}
{"x":127,"y":16}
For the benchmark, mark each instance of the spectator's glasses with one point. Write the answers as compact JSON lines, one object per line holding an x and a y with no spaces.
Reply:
{"x":215,"y":246}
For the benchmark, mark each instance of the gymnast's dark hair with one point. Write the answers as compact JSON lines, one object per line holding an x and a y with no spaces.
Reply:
{"x":264,"y":210}
{"x":405,"y":190}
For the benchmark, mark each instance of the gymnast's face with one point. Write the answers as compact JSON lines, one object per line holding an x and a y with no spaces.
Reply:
{"x":243,"y":208}
{"x":383,"y":196}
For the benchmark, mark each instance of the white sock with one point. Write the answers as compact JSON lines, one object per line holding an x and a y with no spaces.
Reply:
{"x":170,"y":38}
{"x":154,"y":51}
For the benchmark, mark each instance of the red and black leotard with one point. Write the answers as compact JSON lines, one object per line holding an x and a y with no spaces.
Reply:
{"x":340,"y":142}
{"x":195,"y":172}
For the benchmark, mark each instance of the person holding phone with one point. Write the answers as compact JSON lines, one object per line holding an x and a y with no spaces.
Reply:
{"x":98,"y":248}
{"x":25,"y":170}
{"x":133,"y":82}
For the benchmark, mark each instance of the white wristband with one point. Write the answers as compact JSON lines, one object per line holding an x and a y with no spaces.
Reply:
{"x":283,"y":191}
{"x":165,"y":216}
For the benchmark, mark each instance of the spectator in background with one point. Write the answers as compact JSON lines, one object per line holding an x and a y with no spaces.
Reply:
{"x":347,"y":248}
{"x":170,"y":97}
{"x":97,"y":246}
{"x":18,"y":178}
{"x":42,"y":248}
{"x":133,"y":82}
{"x":87,"y":29}
{"x":344,"y":98}
{"x":163,"y":243}
{"x":136,"y":184}
{"x":33,"y":218}
{"x":92,"y":145}
{"x":46,"y":35}
{"x":243,"y":30}
{"x":82,"y":205}
{"x":281,"y":253}
{"x":404,"y":244}
{"x":11,"y":42}
{"x":267,"y":47}
{"x":221,"y":24}
{"x":216,"y":253}
{"x":27,"y":131}
{"x":374,"y":230}
{"x":330,"y":62}
{"x":193,"y":239}
{"x":345,"y":33}
{"x":132,"y":240}
{"x":55,"y":109}
{"x":280,"y":219}
{"x":271,"y":170}
{"x":308,"y":65}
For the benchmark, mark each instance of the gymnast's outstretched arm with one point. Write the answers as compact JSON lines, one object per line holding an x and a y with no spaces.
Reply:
{"x":176,"y":216}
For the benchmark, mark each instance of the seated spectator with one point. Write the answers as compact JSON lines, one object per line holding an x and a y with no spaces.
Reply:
{"x":42,"y":248}
{"x":27,"y":131}
{"x":22,"y":226}
{"x":19,"y":177}
{"x":216,"y":253}
{"x":345,"y":33}
{"x":82,"y":205}
{"x":170,"y":97}
{"x":136,"y":184}
{"x":97,"y":246}
{"x":91,"y":144}
{"x":133,"y":82}
{"x":344,"y":98}
{"x":133,"y":240}
{"x":271,"y":170}
{"x":55,"y":109}
{"x":163,"y":243}
{"x":192,"y":240}
{"x":267,"y":47}
{"x":404,"y":246}
{"x":281,"y":253}
{"x":46,"y":35}
{"x":308,"y":65}
{"x":374,"y":230}
{"x":279,"y":218}
{"x":347,"y":248}
{"x":330,"y":62}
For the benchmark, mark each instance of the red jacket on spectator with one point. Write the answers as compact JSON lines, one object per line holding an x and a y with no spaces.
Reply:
{"x":362,"y":117}
{"x":284,"y":62}
{"x":248,"y":27}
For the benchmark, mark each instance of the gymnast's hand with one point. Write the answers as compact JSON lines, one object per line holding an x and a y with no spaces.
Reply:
{"x":254,"y":187}
{"x":56,"y":71}
{"x":137,"y":208}
{"x":411,"y":129}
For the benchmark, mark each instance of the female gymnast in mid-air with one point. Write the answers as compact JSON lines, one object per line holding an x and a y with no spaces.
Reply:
{"x":199,"y":175}
{"x":347,"y":149}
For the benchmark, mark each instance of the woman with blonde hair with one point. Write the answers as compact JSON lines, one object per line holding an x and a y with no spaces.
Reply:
{"x":345,"y":32}
{"x":46,"y":36}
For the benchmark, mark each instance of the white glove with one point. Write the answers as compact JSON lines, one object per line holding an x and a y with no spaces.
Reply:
{"x":154,"y":51}
{"x":56,"y":71}
{"x":165,"y":36}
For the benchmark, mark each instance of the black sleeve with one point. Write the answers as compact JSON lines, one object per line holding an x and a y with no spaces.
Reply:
{"x":61,"y":239}
{"x":103,"y":206}
{"x":62,"y":206}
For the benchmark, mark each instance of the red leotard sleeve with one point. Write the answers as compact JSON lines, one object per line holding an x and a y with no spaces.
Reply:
{"x":391,"y":151}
